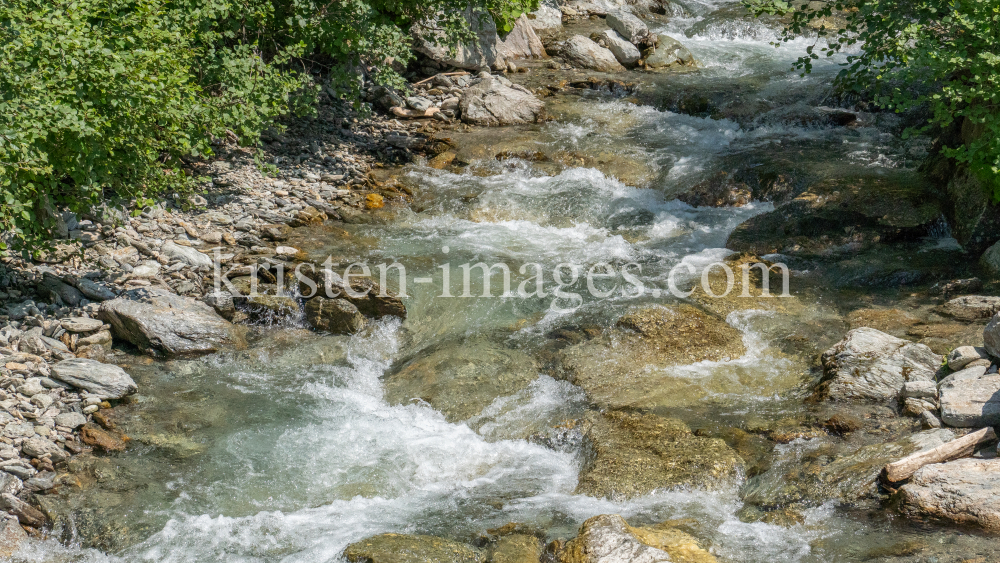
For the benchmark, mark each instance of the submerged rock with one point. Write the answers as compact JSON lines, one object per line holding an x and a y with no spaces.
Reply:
{"x":516,"y":548}
{"x":822,"y":473}
{"x":609,"y":539}
{"x":103,"y":380}
{"x":625,"y":368}
{"x":632,"y":455}
{"x":400,"y":548}
{"x":263,"y":308}
{"x":721,"y":190}
{"x":461,"y":378}
{"x":965,"y":491}
{"x":972,"y":307}
{"x":870,"y":365}
{"x":158,"y":321}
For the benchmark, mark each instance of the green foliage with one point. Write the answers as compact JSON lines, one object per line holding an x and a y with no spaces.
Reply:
{"x":103,"y":100}
{"x":938,"y":55}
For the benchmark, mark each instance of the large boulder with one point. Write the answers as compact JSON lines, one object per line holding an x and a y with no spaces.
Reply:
{"x":521,"y":42}
{"x":633,"y":455}
{"x":990,"y":260}
{"x":669,"y":52}
{"x":972,"y":402}
{"x":628,"y":26}
{"x":583,"y":52}
{"x":401,"y":548}
{"x":965,"y":491}
{"x":461,"y":378}
{"x":630,"y":366}
{"x":481,"y":54}
{"x":103,"y":380}
{"x":609,"y":539}
{"x":626,"y":53}
{"x":870,"y":365}
{"x":841,"y":216}
{"x":160,"y":322}
{"x":496,"y":101}
{"x":547,"y":16}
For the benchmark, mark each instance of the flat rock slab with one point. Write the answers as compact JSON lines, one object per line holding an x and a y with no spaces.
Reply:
{"x":972,"y":307}
{"x":104,"y":380}
{"x":870,"y":365}
{"x":967,"y":403}
{"x":965,"y":491}
{"x":161,"y":322}
{"x":186,"y":254}
{"x":81,"y":324}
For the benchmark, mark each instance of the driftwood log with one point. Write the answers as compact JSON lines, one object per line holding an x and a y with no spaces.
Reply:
{"x":958,"y":448}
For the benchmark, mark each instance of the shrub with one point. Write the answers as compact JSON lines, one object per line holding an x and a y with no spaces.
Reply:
{"x":950,"y":49}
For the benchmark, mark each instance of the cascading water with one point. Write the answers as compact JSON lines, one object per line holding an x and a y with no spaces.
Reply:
{"x":291,"y":451}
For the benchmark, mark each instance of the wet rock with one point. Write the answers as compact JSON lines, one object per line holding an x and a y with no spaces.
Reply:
{"x":668,"y":53}
{"x":222,"y":302}
{"x":969,"y":403}
{"x":869,"y":365}
{"x":972,"y":307}
{"x":965,"y":491}
{"x":461,"y":378}
{"x":493,"y":103}
{"x":101,"y":439}
{"x":516,"y":548}
{"x":480,"y":54}
{"x":262,"y":308}
{"x":11,"y":535}
{"x":521,"y":42}
{"x":633,"y":455}
{"x":103,"y":380}
{"x":580,"y":51}
{"x":628,"y":26}
{"x":185,"y":254}
{"x":721,"y":190}
{"x":625,"y":368}
{"x":841,"y":216}
{"x":626,"y":53}
{"x":964,"y":355}
{"x":609,"y":539}
{"x":968,"y":285}
{"x":336,"y":316}
{"x":822,"y":474}
{"x":156,"y":320}
{"x":399,"y":548}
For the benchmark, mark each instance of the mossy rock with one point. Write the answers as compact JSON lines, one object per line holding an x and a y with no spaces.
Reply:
{"x":842,"y":216}
{"x":631,"y":455}
{"x":400,"y":548}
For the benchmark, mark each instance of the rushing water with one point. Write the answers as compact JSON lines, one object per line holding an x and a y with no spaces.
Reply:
{"x":290,"y":451}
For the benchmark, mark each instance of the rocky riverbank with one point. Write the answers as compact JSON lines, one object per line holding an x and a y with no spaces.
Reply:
{"x":881,"y":382}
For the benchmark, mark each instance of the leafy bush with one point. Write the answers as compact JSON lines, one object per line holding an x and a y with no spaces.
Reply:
{"x":102,"y":100}
{"x":949,"y":49}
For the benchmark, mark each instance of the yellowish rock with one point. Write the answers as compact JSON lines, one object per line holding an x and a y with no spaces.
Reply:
{"x":374,"y":201}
